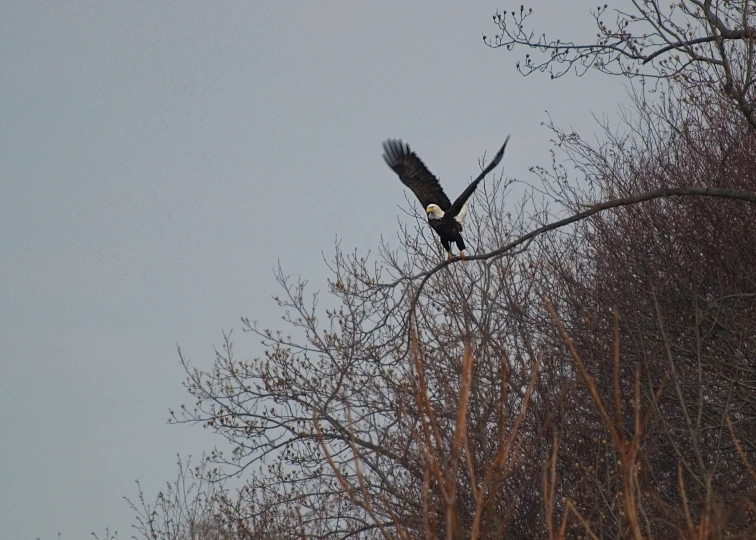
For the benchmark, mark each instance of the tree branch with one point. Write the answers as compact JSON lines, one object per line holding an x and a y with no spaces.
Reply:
{"x":595,"y":209}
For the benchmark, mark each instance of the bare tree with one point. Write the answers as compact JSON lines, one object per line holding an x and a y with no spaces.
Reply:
{"x":589,"y":372}
{"x":683,"y":278}
{"x":349,"y":384}
{"x":700,"y":43}
{"x":354,"y":430}
{"x":186,"y":510}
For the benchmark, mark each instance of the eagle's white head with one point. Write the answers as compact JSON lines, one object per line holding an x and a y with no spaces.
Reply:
{"x":434,"y":211}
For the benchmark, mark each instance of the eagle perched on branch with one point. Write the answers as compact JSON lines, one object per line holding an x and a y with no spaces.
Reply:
{"x":444,"y":217}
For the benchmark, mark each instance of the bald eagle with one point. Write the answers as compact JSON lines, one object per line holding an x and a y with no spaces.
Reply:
{"x":444,"y":217}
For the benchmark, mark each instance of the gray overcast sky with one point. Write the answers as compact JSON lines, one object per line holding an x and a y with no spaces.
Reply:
{"x":157,"y":158}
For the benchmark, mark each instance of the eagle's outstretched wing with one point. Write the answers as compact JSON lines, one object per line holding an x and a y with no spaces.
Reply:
{"x":414,"y":174}
{"x":460,"y":202}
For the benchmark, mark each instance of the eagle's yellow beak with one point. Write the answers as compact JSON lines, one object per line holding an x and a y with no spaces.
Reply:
{"x":428,"y":210}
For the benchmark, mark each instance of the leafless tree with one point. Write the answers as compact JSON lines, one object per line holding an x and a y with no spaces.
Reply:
{"x":186,"y":510}
{"x":589,"y":372}
{"x":352,"y":429}
{"x":349,"y":385}
{"x":683,"y":279}
{"x":700,"y":43}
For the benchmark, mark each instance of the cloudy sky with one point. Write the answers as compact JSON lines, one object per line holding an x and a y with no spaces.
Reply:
{"x":157,"y":158}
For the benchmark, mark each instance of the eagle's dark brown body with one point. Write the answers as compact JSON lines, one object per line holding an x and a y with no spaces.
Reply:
{"x":449,"y":229}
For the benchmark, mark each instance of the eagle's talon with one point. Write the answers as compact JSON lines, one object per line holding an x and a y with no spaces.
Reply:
{"x":462,"y":255}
